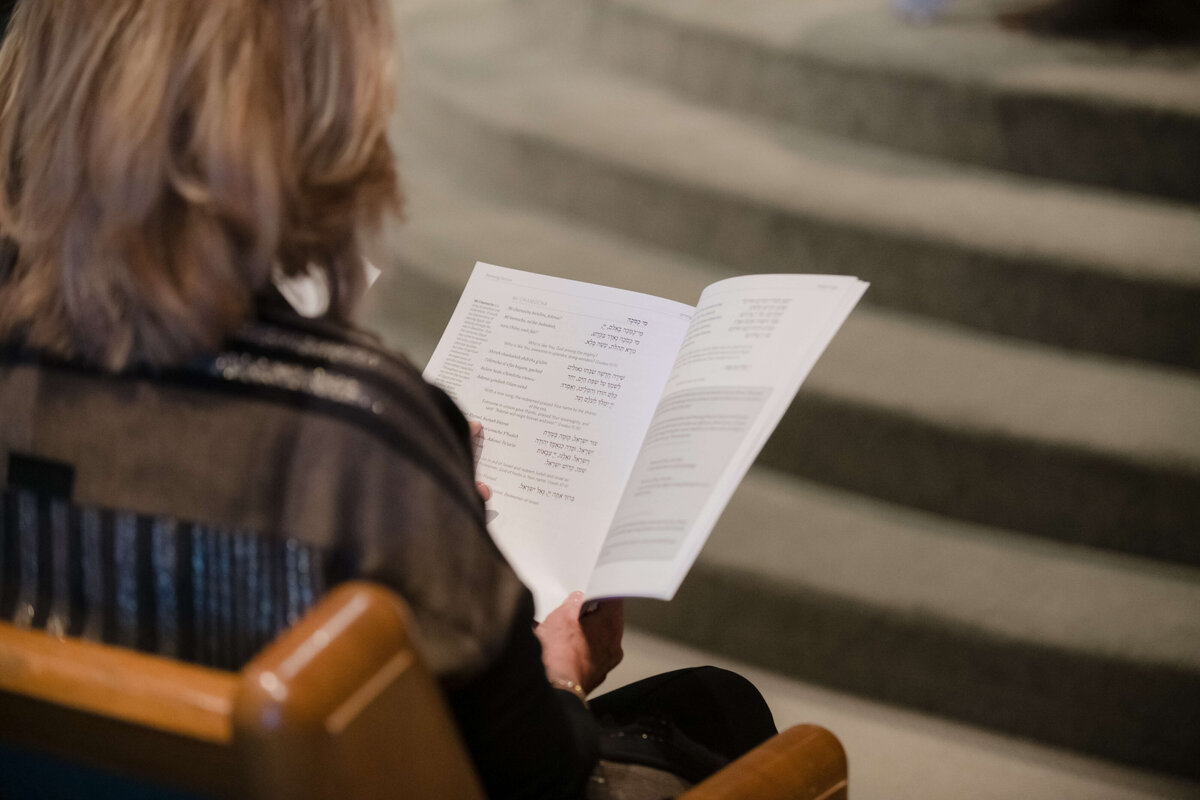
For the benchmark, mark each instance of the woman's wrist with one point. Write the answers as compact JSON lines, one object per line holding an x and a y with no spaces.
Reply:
{"x":574,"y":687}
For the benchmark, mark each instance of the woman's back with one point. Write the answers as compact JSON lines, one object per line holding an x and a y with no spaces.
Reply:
{"x":198,"y":510}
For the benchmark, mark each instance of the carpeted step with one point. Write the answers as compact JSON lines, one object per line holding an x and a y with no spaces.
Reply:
{"x":1088,"y":650}
{"x":1065,"y":265}
{"x":904,"y":754}
{"x":1102,"y":112}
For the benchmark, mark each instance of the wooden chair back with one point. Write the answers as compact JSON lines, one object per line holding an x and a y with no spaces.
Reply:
{"x":339,"y":706}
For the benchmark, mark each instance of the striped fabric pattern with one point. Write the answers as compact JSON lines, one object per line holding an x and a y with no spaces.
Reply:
{"x":203,"y":594}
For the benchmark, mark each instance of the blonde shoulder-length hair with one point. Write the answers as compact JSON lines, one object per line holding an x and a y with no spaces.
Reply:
{"x":159,"y":159}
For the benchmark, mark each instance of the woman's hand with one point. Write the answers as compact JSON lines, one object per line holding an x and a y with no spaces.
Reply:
{"x":578,"y":648}
{"x":582,"y":649}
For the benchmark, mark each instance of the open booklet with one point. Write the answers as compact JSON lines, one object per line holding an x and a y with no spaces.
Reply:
{"x":618,"y":424}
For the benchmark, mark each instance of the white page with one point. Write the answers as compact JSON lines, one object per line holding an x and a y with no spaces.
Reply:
{"x":752,"y":342}
{"x":564,"y":377}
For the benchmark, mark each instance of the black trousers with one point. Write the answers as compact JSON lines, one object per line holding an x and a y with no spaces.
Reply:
{"x":690,"y":722}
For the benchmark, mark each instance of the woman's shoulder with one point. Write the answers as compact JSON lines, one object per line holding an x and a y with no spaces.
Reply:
{"x":284,"y":365}
{"x":340,"y":370}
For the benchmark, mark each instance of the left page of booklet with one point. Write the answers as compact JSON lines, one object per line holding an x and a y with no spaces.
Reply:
{"x":565,"y":377}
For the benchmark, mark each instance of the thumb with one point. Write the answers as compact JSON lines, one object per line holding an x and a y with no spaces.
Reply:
{"x":573,"y":605}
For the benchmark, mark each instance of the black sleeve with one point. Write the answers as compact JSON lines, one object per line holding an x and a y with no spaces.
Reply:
{"x":528,"y":739}
{"x":6,"y":10}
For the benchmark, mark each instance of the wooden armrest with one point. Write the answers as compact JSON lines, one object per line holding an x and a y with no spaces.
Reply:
{"x":313,"y":718}
{"x":109,"y":707}
{"x":806,"y":762}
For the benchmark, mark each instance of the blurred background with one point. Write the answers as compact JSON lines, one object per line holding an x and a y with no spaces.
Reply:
{"x":972,"y":548}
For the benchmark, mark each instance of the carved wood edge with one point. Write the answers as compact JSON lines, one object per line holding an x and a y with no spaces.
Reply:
{"x":136,"y":688}
{"x":805,"y":762}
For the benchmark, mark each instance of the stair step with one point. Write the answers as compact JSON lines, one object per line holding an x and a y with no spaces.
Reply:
{"x":964,"y":88}
{"x":902,"y":754}
{"x":1070,"y":266}
{"x":1089,"y":450}
{"x":1089,"y":650}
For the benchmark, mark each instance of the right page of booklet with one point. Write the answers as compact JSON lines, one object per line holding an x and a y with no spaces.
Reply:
{"x":752,"y":341}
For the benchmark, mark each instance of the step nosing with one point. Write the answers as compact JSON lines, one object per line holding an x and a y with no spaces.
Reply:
{"x":908,"y":562}
{"x":950,"y":377}
{"x":775,"y":593}
{"x":1015,"y":217}
{"x":868,"y":43}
